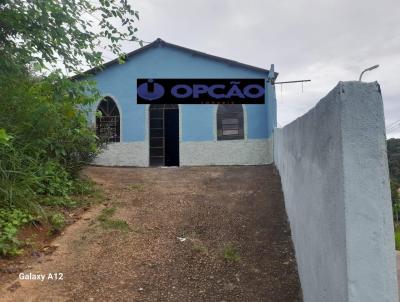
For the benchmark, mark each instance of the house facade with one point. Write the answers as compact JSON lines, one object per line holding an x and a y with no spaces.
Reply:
{"x":180,"y":134}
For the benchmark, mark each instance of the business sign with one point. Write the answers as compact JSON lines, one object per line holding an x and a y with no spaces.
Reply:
{"x":200,"y":91}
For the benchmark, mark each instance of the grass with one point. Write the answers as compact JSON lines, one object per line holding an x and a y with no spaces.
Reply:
{"x":107,"y":213}
{"x":95,"y":197}
{"x":115,"y":224}
{"x":135,"y":187}
{"x":397,"y":237}
{"x":231,"y":253}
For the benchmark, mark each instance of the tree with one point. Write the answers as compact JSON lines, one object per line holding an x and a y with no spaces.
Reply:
{"x":44,"y":32}
{"x":395,"y":199}
{"x":44,"y":136}
{"x":393,"y":149}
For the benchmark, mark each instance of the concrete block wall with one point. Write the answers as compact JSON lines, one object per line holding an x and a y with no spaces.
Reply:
{"x":333,"y":167}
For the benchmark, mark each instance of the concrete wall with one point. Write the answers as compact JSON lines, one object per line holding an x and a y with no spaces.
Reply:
{"x":334,"y":173}
{"x":234,"y":152}
{"x":133,"y":154}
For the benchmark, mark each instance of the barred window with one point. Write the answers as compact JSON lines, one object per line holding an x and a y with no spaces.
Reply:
{"x":108,"y":124}
{"x":230,"y":122}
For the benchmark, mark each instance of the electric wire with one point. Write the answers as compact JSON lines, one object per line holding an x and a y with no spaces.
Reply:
{"x":394,"y":124}
{"x":393,"y":129}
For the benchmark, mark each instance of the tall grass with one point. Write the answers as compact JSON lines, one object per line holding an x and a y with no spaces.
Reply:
{"x":44,"y":143}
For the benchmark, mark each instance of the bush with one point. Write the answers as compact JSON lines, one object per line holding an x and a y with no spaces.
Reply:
{"x":393,"y":151}
{"x":18,"y":178}
{"x":57,"y":222}
{"x":397,"y":237}
{"x":45,"y":139}
{"x":10,"y":222}
{"x":83,"y":187}
{"x":54,"y":180}
{"x":44,"y":143}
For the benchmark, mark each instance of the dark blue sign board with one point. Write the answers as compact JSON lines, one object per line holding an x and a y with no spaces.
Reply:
{"x":200,"y":91}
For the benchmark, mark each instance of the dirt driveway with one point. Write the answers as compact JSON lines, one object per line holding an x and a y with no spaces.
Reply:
{"x":176,"y":234}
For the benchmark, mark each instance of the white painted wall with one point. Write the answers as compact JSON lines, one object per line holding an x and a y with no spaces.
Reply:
{"x":134,"y":154}
{"x":334,"y":174}
{"x":228,"y":152}
{"x":235,"y":152}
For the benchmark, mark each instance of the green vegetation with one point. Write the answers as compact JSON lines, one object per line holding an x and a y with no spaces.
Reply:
{"x":107,"y":213}
{"x":116,"y":224}
{"x":135,"y":187}
{"x":45,"y":140}
{"x":397,"y":237}
{"x":393,"y":150}
{"x":57,"y":222}
{"x":231,"y":253}
{"x":107,"y":222}
{"x":10,"y":222}
{"x":45,"y":33}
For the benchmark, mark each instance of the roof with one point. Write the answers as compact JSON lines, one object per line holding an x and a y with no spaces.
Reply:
{"x":159,"y":42}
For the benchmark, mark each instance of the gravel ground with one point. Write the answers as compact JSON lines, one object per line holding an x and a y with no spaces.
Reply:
{"x":177,"y":234}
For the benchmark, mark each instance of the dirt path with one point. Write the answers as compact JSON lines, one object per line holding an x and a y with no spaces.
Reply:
{"x":234,"y":243}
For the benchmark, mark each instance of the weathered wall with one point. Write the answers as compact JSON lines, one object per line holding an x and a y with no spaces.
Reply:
{"x":334,"y":173}
{"x":235,"y":152}
{"x":230,"y":152}
{"x":133,"y":154}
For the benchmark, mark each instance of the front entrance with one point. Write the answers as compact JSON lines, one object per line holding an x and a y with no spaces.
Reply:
{"x":164,"y":135}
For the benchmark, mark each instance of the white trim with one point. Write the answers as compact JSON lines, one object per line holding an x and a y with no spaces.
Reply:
{"x":97,"y":103}
{"x":215,"y":128}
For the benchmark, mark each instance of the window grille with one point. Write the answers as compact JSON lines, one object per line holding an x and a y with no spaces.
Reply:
{"x":108,"y":124}
{"x":230,"y":122}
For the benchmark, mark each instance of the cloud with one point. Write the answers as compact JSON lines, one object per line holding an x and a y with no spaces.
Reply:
{"x":326,"y":41}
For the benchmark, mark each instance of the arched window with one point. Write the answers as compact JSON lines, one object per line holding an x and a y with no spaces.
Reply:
{"x":108,"y":122}
{"x":230,"y":122}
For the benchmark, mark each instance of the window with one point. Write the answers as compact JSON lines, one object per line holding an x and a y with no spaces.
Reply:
{"x":108,"y":124}
{"x":230,"y":122}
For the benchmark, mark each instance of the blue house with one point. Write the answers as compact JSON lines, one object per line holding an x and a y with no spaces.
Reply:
{"x":180,"y":135}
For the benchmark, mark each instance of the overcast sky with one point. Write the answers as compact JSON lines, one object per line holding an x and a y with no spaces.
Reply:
{"x":325,"y":41}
